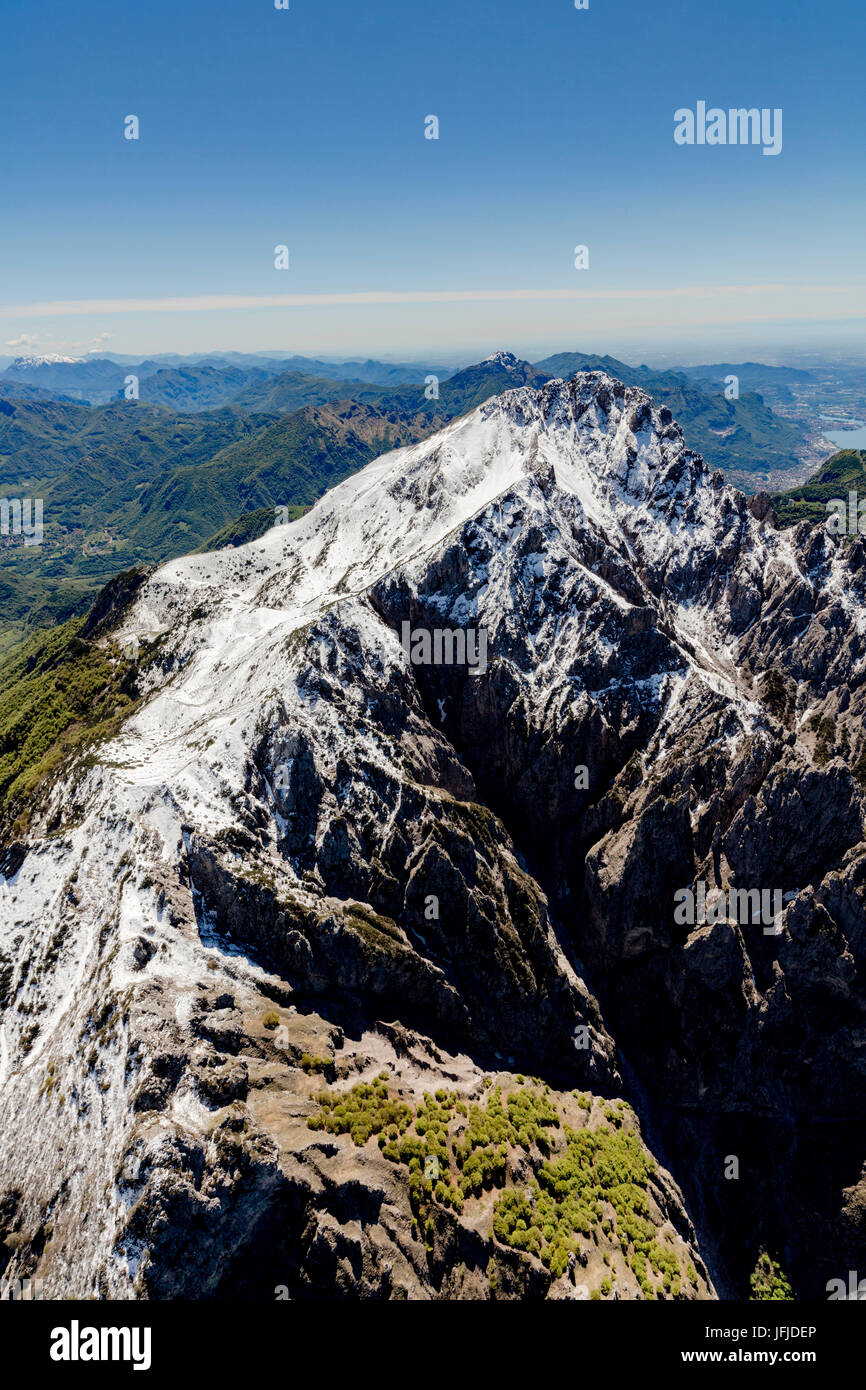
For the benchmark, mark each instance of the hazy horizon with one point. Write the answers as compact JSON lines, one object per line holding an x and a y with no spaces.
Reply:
{"x":770,"y":352}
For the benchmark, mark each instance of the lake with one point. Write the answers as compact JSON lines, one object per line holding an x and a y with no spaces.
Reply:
{"x":847,"y":439}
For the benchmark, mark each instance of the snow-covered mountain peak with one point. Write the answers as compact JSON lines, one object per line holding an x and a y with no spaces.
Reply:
{"x":505,"y":359}
{"x":542,"y":477}
{"x":587,"y":457}
{"x":46,"y":359}
{"x":599,"y":441}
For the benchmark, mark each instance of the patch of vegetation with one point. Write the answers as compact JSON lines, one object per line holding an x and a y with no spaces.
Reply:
{"x":776,"y":695}
{"x":769,"y":1282}
{"x":443,"y":1166}
{"x":60,"y":690}
{"x":372,"y":925}
{"x":235,"y":838}
{"x":364,"y":1110}
{"x":599,"y":1169}
{"x":858,"y":768}
{"x":455,"y":1151}
{"x":825,"y":730}
{"x":313,"y":1063}
{"x":843,"y":472}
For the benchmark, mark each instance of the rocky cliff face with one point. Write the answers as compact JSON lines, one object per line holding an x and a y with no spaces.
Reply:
{"x":448,"y":890}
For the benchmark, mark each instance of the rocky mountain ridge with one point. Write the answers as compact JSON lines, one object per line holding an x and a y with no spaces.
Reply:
{"x":306,"y":856}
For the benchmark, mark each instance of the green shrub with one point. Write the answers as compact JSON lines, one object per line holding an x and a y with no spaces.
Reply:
{"x":313,"y":1063}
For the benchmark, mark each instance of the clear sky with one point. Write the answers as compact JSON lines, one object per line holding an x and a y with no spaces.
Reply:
{"x":305,"y":127}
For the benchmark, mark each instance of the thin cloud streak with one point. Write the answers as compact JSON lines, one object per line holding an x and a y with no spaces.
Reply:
{"x":209,"y":302}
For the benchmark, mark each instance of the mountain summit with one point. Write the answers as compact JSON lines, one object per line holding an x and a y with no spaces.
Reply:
{"x":312,"y":852}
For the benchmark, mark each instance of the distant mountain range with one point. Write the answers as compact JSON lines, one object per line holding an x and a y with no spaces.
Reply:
{"x":188,"y":385}
{"x":743,"y":437}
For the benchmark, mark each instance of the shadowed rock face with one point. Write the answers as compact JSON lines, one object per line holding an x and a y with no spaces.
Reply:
{"x":453,"y":874}
{"x":746,"y":1043}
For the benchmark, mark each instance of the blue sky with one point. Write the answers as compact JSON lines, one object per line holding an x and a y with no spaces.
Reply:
{"x":306,"y":127}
